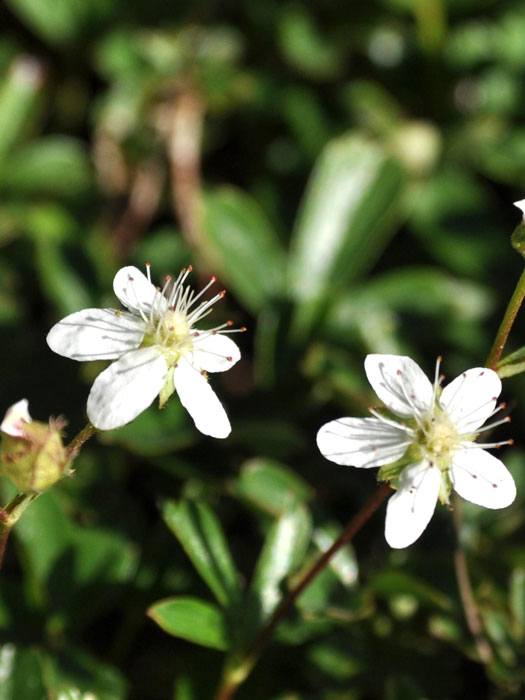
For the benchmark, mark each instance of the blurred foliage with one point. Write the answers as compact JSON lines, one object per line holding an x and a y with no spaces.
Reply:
{"x":347,"y":172}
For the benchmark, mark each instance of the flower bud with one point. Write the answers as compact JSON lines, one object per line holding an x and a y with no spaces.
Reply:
{"x":32,"y":454}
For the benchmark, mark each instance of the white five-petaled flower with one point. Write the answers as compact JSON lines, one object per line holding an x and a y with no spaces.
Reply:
{"x":426,"y":446}
{"x":157,"y":349}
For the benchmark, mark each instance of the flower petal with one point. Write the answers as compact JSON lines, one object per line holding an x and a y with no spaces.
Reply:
{"x":409,"y":510}
{"x":214,"y":353}
{"x":470,"y":398}
{"x":400,"y":383}
{"x":201,"y":402}
{"x":96,"y":334}
{"x":15,"y":417}
{"x":361,"y":442}
{"x":135,"y":291}
{"x":126,"y":388}
{"x":481,"y":478}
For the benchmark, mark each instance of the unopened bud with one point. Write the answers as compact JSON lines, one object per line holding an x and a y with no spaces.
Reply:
{"x":32,"y":454}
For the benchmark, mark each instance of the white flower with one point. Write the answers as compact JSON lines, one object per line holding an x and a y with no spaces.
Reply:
{"x":429,"y":447}
{"x":157,"y":350}
{"x":15,"y":418}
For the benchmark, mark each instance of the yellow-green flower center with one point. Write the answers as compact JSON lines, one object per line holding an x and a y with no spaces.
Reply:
{"x":439,"y":439}
{"x":172,"y":334}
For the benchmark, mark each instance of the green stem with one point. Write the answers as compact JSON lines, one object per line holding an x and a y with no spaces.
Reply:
{"x":236,"y":674}
{"x":511,"y":312}
{"x":9,"y":515}
{"x":470,"y":607}
{"x":80,"y":438}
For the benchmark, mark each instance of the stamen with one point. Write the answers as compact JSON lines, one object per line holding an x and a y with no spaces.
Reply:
{"x":495,"y":424}
{"x":486,"y":445}
{"x":437,"y":377}
{"x":212,"y":281}
{"x":148,"y":271}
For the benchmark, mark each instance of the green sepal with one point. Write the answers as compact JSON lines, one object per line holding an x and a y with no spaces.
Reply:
{"x":518,"y":239}
{"x":168,"y":388}
{"x":391,"y":472}
{"x":445,"y":488}
{"x":35,"y":461}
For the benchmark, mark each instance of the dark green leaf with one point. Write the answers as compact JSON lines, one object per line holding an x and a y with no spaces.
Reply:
{"x":200,"y":533}
{"x":247,"y":252}
{"x":271,"y":486}
{"x":54,"y":166}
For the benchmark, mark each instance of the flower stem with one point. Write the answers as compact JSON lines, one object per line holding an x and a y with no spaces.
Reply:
{"x":233,"y":678}
{"x":470,"y":606}
{"x":511,"y":312}
{"x":80,"y":438}
{"x":9,"y":515}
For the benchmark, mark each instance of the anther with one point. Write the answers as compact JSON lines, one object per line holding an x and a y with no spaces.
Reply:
{"x":229,"y":358}
{"x":229,"y":323}
{"x":213,"y":279}
{"x":222,"y":293}
{"x":242,"y":329}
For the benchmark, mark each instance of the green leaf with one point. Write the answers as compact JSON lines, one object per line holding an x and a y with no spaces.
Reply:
{"x":44,"y":532}
{"x":59,"y":281}
{"x":247,"y":252}
{"x":283,"y":551}
{"x":347,"y":216}
{"x":192,"y":619}
{"x":200,"y":533}
{"x":18,"y":97}
{"x":60,"y":21}
{"x":54,"y":166}
{"x":75,"y":675}
{"x":21,"y":674}
{"x":344,"y":563}
{"x":393,"y":583}
{"x":271,"y":486}
{"x":33,"y":673}
{"x":303,"y":45}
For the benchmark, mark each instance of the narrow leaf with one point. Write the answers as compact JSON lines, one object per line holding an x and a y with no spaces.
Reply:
{"x":346,"y":219}
{"x":247,"y":251}
{"x":195,"y":620}
{"x":18,"y":96}
{"x":200,"y":533}
{"x":283,"y":551}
